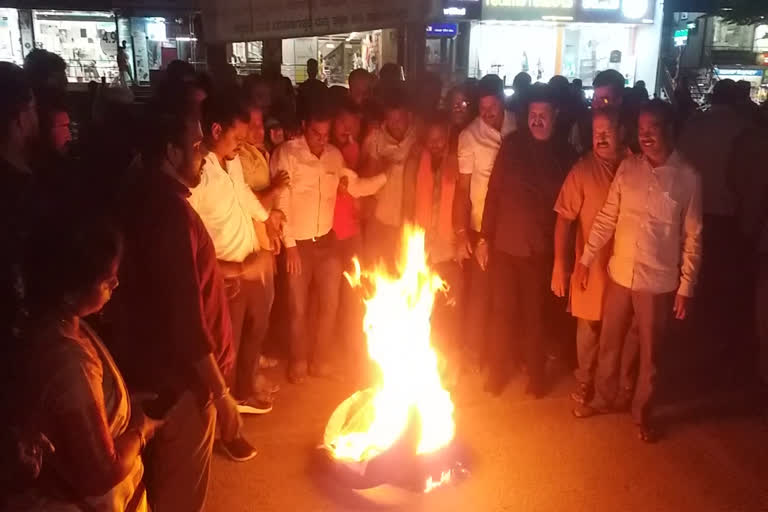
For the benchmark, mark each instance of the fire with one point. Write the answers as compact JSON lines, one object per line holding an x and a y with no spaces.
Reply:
{"x":397,"y":328}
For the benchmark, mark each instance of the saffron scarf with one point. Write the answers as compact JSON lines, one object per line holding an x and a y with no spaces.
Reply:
{"x":425,"y":184}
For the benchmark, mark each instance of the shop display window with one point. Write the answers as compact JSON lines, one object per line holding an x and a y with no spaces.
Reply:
{"x":86,"y":40}
{"x":10,"y":37}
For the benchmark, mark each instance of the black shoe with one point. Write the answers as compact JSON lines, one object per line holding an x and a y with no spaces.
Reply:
{"x":254,"y":405}
{"x":238,"y":449}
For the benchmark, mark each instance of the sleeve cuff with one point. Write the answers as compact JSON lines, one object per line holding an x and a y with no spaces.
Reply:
{"x":565,"y":214}
{"x":587,"y":258}
{"x":686,"y":289}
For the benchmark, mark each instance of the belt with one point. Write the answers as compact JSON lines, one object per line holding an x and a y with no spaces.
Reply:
{"x":328,"y":237}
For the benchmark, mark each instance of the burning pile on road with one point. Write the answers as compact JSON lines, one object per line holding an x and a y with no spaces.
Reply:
{"x":401,"y":430}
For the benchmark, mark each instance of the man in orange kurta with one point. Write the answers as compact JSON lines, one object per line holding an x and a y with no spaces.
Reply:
{"x":580,"y":200}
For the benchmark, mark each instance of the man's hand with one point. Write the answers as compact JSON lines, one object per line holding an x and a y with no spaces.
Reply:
{"x":560,"y":278}
{"x":463,"y":247}
{"x":292,"y":260}
{"x":280,"y":181}
{"x":482,"y":253}
{"x":257,"y":265}
{"x":682,"y":306}
{"x":344,"y":184}
{"x":229,"y":420}
{"x":581,"y":275}
{"x":276,"y":220}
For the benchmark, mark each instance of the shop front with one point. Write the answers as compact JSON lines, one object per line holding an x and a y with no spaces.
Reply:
{"x":573,"y":38}
{"x":339,"y":54}
{"x":90,"y":41}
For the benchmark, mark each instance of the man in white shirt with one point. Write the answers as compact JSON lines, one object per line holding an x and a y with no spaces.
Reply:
{"x":228,"y":209}
{"x":479,"y":144}
{"x":654,"y":214}
{"x":315,"y":169}
{"x":385,"y":150}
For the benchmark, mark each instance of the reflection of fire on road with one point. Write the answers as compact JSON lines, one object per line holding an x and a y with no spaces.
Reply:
{"x":408,"y":400}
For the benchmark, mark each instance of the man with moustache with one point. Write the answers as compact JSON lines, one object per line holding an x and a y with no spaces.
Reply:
{"x":653,"y":213}
{"x":516,"y":240}
{"x":478,"y":146}
{"x":581,"y":198}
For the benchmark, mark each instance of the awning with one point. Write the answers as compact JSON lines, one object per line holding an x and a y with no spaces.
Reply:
{"x":249,"y":20}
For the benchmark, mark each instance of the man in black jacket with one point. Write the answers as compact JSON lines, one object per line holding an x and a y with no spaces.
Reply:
{"x":516,"y":244}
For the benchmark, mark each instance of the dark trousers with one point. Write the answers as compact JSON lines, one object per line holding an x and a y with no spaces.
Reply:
{"x":652,"y":313}
{"x":477,"y":299}
{"x":520,"y":288}
{"x":250,"y":305}
{"x":313,"y":298}
{"x":349,"y":322}
{"x":761,"y":314}
{"x":447,"y":321}
{"x":179,"y":457}
{"x":382,"y":243}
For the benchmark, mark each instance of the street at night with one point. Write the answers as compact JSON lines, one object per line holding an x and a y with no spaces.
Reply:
{"x":527,"y":455}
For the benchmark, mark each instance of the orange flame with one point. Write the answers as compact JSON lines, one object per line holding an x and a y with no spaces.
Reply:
{"x":397,"y":327}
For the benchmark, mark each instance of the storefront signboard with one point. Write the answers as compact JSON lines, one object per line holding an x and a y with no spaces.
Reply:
{"x":250,"y":20}
{"x":442,"y":30}
{"x":609,"y":11}
{"x":681,"y":37}
{"x":739,"y":74}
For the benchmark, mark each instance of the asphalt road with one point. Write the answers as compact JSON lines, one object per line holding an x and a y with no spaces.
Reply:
{"x":526,"y":455}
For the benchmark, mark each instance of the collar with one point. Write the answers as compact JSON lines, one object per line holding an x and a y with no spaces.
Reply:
{"x":168,"y":178}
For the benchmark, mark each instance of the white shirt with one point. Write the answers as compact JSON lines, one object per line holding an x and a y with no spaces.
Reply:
{"x":478,"y":146}
{"x":309,"y":201}
{"x":228,"y":208}
{"x":389,"y":156}
{"x":655,"y":216}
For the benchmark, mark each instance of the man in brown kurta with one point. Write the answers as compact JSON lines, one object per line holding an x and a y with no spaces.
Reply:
{"x":581,"y":198}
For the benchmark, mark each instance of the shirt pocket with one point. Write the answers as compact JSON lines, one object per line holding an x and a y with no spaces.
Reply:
{"x":663,"y":208}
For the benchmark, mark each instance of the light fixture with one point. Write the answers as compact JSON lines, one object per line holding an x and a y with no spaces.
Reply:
{"x":634,"y":9}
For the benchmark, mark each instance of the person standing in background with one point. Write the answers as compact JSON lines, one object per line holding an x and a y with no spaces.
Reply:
{"x":478,"y":146}
{"x":314,"y":271}
{"x":516,"y":242}
{"x":385,"y":150}
{"x":228,"y":208}
{"x":653,"y":213}
{"x":581,"y":198}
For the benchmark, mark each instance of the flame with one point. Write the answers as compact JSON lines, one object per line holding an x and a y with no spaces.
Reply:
{"x":397,"y":328}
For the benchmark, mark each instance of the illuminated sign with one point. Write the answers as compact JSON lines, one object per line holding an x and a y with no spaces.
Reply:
{"x":455,"y":11}
{"x":531,"y":4}
{"x":681,"y":37}
{"x":738,"y":73}
{"x":442,"y":30}
{"x":609,"y":11}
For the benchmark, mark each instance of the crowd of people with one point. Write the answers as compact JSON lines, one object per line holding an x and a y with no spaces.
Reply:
{"x":141,"y":259}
